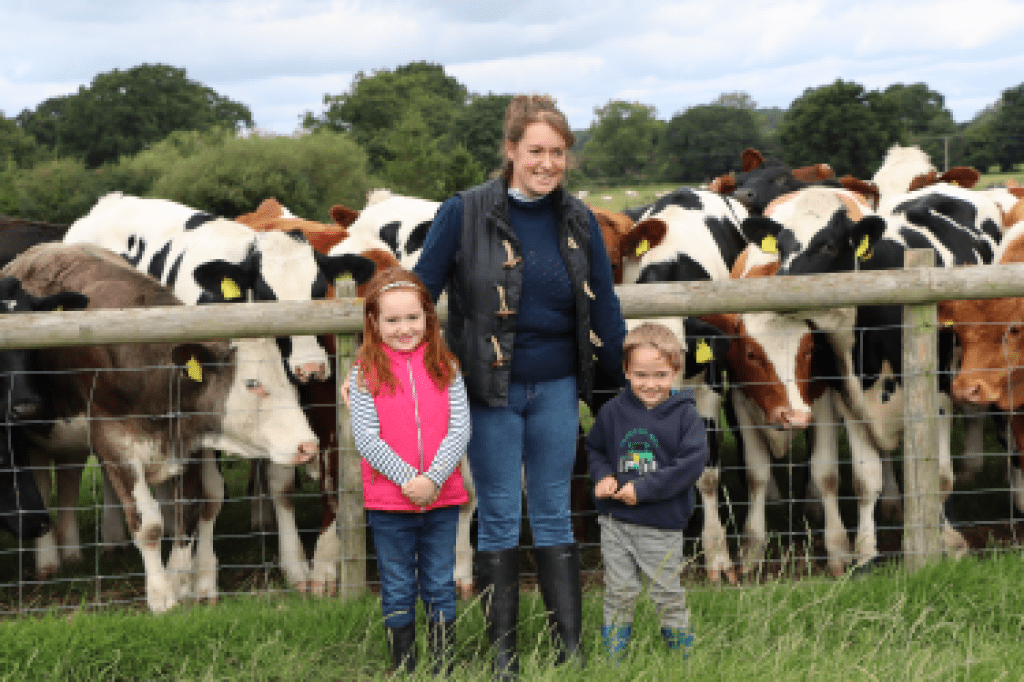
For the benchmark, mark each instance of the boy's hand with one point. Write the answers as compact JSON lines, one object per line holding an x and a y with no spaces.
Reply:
{"x":420,"y":490}
{"x":626,"y":494}
{"x":606,"y":487}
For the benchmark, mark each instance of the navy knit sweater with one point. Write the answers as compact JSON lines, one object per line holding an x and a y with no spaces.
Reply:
{"x":662,"y":451}
{"x":545,"y":344}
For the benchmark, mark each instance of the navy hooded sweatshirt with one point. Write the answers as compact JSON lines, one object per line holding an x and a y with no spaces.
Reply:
{"x":662,"y":451}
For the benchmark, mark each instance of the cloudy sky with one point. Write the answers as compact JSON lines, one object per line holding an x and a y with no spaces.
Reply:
{"x":280,"y":57}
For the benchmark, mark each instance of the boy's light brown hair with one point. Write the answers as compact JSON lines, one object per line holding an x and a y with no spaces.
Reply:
{"x":656,"y":336}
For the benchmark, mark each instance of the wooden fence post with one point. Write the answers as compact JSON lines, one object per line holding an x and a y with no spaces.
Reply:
{"x":922,"y":506}
{"x":351,"y":519}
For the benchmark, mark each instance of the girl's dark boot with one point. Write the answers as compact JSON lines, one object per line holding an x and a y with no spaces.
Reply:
{"x":441,"y":639}
{"x":402,"y":647}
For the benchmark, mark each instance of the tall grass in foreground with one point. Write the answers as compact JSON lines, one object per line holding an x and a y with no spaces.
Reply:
{"x":953,"y":620}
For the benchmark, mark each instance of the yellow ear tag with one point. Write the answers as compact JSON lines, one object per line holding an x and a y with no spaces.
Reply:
{"x":864,"y":250}
{"x":344,"y":277}
{"x":769,"y":244}
{"x":229,"y":289}
{"x":642,"y":248}
{"x":58,"y":309}
{"x":954,"y":183}
{"x":703,"y":354}
{"x":947,"y":323}
{"x":194,"y":370}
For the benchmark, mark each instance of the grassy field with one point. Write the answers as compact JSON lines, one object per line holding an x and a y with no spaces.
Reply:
{"x":961,"y":620}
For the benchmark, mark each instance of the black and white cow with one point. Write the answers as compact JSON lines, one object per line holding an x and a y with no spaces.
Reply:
{"x":206,"y":259}
{"x":400,"y":222}
{"x":820,"y":231}
{"x":22,"y":507}
{"x":684,"y":236}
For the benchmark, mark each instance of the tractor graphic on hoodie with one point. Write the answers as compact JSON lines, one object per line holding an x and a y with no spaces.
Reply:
{"x":638,"y":458}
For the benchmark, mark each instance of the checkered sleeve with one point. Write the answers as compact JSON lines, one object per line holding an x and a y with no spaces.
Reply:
{"x":454,"y":443}
{"x":366,"y":432}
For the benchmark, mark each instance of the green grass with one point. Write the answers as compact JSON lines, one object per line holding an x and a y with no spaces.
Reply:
{"x":952,"y":620}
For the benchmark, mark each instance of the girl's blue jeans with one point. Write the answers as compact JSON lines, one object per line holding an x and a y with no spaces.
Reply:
{"x":415,"y":558}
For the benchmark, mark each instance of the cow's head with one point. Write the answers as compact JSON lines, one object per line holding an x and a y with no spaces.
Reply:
{"x":816,"y":231}
{"x":762,"y":181}
{"x":614,"y":226}
{"x":991,"y":335}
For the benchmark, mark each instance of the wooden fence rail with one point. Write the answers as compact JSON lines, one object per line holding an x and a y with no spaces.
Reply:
{"x":920,"y":287}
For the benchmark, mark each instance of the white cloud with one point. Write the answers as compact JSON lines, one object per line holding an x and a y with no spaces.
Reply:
{"x":280,"y":58}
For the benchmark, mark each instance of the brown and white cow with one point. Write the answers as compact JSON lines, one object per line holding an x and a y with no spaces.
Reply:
{"x":991,"y":336}
{"x":150,"y":412}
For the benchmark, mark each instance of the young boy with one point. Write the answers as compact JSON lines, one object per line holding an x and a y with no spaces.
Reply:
{"x":647,"y":449}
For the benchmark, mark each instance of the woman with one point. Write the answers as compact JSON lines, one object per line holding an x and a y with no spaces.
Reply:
{"x":531,"y":304}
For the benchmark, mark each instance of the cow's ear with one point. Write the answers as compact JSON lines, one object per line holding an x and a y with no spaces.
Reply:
{"x":762,"y":231}
{"x":65,"y":300}
{"x":343,"y":215}
{"x":705,"y":340}
{"x":644,"y":236}
{"x":964,"y":176}
{"x":752,"y":160}
{"x":222,"y":281}
{"x":359,"y":267}
{"x":923,"y":180}
{"x":723,"y":184}
{"x":866,"y":189}
{"x":195,"y":360}
{"x":864,"y":235}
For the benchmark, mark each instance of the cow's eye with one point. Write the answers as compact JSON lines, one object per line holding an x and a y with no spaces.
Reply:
{"x":1013,"y":330}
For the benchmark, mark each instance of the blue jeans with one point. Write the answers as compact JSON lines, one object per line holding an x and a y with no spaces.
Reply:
{"x":535,"y":433}
{"x":415,"y":558}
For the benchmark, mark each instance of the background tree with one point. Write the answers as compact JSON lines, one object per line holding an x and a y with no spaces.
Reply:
{"x":122,"y":112}
{"x":307,"y":175}
{"x":622,"y":141}
{"x":478,"y":129}
{"x":706,"y":141}
{"x":843,"y":125}
{"x":377,"y":103}
{"x":975,"y":144}
{"x":18,"y":149}
{"x":1008,"y":128}
{"x":418,"y":167}
{"x":925,"y":116}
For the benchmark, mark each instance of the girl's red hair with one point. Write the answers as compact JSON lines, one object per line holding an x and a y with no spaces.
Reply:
{"x":375,"y":369}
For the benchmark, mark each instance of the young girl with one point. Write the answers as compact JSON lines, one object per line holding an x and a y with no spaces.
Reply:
{"x":411,"y":425}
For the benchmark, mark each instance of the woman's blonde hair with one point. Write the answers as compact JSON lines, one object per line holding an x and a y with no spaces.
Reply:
{"x":656,"y":336}
{"x":524,"y":110}
{"x":374,"y":367}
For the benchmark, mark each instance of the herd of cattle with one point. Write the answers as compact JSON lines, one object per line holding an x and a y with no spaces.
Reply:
{"x":145,"y":410}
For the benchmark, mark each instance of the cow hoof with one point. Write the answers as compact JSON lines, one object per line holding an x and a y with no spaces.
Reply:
{"x":465,"y":588}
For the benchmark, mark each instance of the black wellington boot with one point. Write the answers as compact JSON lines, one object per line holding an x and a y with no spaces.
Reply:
{"x":499,"y":584}
{"x":441,"y":639}
{"x":558,"y":575}
{"x":402,"y":646}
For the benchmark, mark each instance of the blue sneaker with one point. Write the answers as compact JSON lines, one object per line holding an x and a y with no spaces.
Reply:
{"x":615,"y":638}
{"x":678,"y":638}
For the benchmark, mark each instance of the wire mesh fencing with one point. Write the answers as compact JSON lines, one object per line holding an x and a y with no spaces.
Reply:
{"x":805,"y":489}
